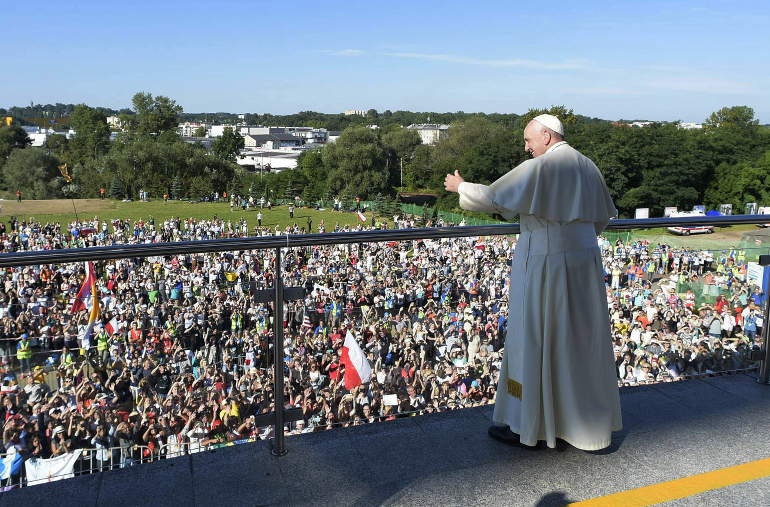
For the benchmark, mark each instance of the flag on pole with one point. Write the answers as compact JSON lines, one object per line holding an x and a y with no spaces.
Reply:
{"x":357,"y":369}
{"x":93,"y":318}
{"x":112,"y":326}
{"x":10,"y":465}
{"x":85,"y":293}
{"x":306,"y":324}
{"x":63,"y":171}
{"x":361,"y":216}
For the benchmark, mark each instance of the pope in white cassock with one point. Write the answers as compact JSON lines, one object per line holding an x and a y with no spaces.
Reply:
{"x":557,"y":378}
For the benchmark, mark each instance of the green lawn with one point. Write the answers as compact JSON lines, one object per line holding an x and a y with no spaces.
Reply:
{"x":64,"y":211}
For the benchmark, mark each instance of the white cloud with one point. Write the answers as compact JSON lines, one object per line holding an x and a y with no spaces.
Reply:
{"x":341,"y":52}
{"x":533,"y":64}
{"x":698,"y":84}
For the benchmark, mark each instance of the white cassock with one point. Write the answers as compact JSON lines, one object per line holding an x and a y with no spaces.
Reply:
{"x":557,"y":378}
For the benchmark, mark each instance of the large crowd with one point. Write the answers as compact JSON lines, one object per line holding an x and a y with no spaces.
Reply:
{"x":184,"y":358}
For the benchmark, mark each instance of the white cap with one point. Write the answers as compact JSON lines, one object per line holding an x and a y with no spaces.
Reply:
{"x":550,"y":121}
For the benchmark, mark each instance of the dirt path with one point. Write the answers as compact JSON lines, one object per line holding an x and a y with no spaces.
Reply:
{"x":53,"y":207}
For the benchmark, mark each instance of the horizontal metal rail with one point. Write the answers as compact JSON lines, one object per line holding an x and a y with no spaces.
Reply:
{"x":101,"y":253}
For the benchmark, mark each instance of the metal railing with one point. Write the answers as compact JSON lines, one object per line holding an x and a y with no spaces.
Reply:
{"x":280,"y":416}
{"x":88,"y":461}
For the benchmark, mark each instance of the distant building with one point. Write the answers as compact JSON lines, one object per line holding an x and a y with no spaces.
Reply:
{"x":352,"y":112}
{"x":114,"y":122}
{"x":311,"y":138}
{"x":333,"y":135}
{"x":273,"y":141}
{"x":430,"y":133}
{"x":690,"y":126}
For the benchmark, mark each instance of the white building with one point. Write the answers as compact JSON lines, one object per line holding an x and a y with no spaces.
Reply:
{"x":351,"y":112}
{"x":311,"y":138}
{"x":690,"y":126}
{"x":430,"y":133}
{"x":38,"y":135}
{"x":114,"y":122}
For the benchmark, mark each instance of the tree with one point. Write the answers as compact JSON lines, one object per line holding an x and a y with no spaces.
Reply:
{"x":177,"y":189}
{"x":92,"y":134}
{"x":311,"y":176}
{"x":116,"y":189}
{"x":154,"y":115}
{"x":12,"y":138}
{"x":253,"y":190}
{"x":58,"y":145}
{"x":229,"y":145}
{"x":34,"y":173}
{"x":199,"y":188}
{"x":741,"y":183}
{"x":356,"y":163}
{"x":200,"y":132}
{"x":739,"y":118}
{"x":290,"y":193}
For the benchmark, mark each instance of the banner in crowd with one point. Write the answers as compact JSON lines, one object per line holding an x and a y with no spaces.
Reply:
{"x":751,"y":208}
{"x":670,"y":210}
{"x":700,"y":208}
{"x":40,"y":471}
{"x":726,"y":209}
{"x":642,"y":213}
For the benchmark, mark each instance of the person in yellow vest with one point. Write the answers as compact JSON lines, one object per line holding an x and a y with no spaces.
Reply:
{"x":741,"y":256}
{"x":103,"y":344}
{"x":66,"y":359}
{"x":235,"y":324}
{"x":24,"y":353}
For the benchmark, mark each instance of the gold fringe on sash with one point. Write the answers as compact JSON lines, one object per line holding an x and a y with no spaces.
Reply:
{"x":514,"y":388}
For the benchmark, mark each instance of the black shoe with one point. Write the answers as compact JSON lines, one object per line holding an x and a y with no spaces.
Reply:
{"x":504,"y":435}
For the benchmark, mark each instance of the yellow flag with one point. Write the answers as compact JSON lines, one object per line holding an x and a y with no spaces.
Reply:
{"x":231,"y":276}
{"x":63,"y":171}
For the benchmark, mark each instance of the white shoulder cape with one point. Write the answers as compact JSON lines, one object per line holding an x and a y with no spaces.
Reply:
{"x":562,"y":185}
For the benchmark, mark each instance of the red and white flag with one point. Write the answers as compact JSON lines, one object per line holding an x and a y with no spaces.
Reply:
{"x":357,"y":369}
{"x":361,"y":216}
{"x":112,"y":326}
{"x":84,"y":295}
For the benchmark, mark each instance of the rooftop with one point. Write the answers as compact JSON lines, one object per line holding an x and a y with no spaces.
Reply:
{"x":671,"y":431}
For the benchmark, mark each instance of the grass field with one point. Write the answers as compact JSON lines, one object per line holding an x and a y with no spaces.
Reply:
{"x":64,"y":211}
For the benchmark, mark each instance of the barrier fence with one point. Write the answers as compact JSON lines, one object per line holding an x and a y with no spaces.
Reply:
{"x":278,"y":294}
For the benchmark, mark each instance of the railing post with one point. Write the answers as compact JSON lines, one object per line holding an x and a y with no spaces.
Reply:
{"x":764,"y":369}
{"x":278,"y":447}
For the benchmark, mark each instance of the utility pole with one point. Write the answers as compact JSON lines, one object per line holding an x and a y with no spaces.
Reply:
{"x":402,"y":174}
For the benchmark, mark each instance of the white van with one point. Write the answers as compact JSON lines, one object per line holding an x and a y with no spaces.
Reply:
{"x":696,"y":229}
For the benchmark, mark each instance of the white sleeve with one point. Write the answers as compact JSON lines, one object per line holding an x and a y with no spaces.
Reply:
{"x":475,"y":197}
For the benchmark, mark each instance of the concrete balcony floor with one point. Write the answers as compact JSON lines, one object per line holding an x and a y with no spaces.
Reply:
{"x":671,"y":431}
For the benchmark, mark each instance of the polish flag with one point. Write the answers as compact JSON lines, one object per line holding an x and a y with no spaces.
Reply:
{"x":85,"y":291}
{"x":361,"y":216}
{"x":112,"y":326}
{"x":481,"y":244}
{"x":357,"y":369}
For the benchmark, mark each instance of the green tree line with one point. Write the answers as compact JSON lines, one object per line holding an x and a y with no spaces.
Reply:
{"x":728,"y":161}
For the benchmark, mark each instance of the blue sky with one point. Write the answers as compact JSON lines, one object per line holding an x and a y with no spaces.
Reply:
{"x":656,"y":60}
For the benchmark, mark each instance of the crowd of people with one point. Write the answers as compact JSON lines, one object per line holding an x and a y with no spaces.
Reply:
{"x":183,"y":358}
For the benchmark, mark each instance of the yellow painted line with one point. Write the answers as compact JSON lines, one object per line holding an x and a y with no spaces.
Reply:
{"x":681,"y":488}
